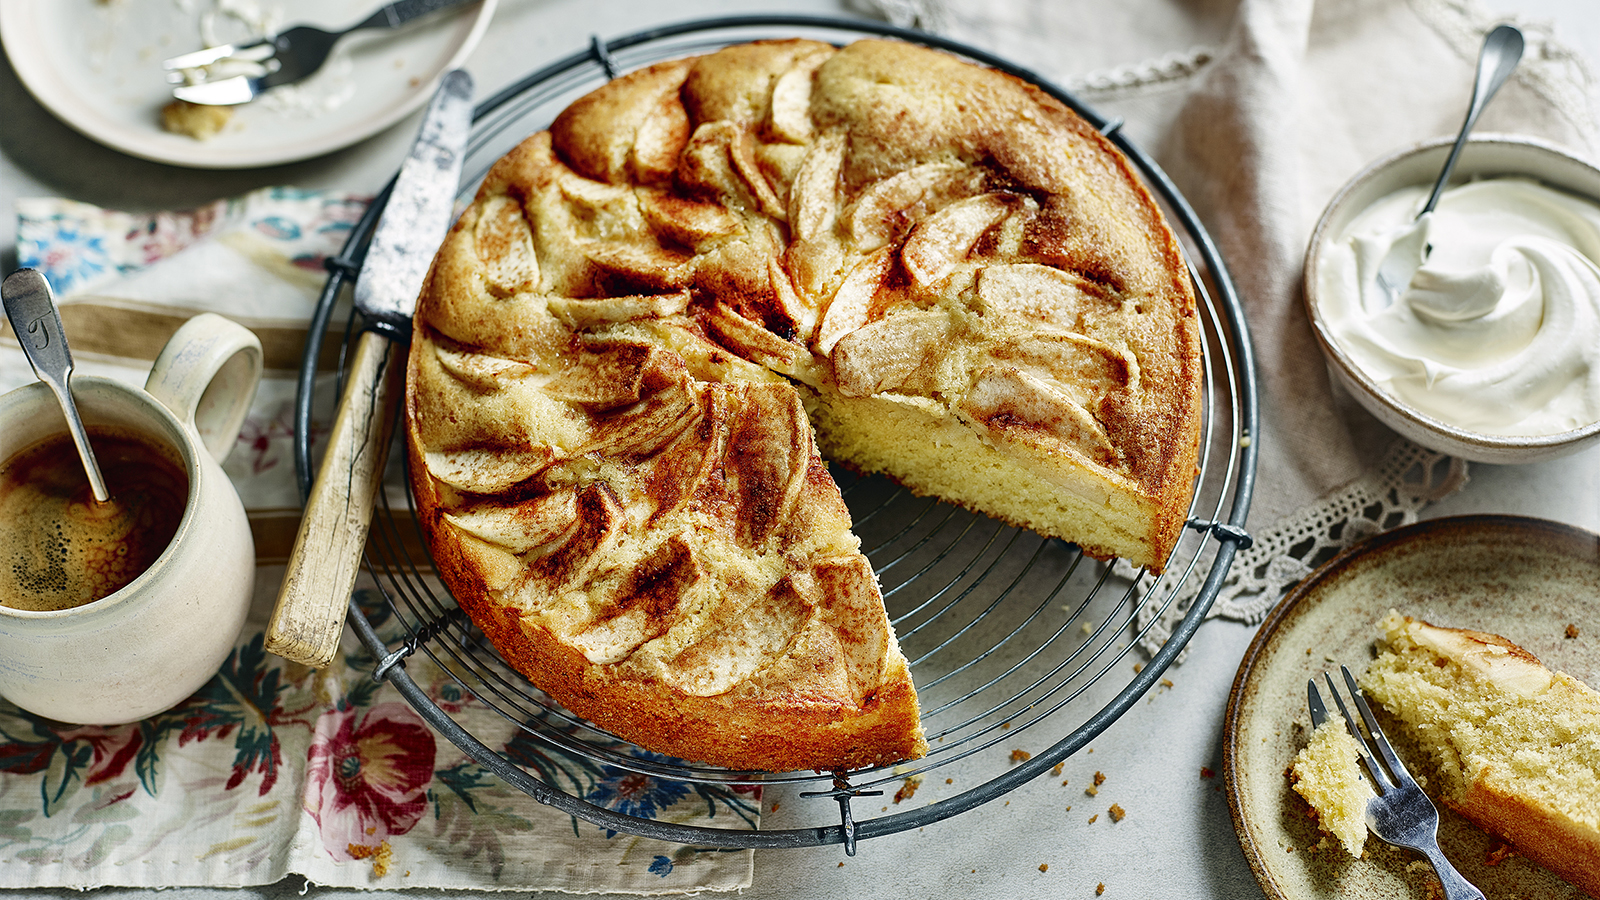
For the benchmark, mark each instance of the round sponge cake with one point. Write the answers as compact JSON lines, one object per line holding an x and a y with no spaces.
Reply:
{"x":637,"y":345}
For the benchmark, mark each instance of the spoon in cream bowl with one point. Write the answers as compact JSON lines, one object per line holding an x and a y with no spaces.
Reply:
{"x":1502,"y":50}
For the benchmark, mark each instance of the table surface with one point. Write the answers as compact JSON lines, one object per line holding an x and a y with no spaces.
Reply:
{"x":1178,"y":840}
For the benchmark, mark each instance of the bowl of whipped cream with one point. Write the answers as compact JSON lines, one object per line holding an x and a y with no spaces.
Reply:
{"x":1491,"y":350}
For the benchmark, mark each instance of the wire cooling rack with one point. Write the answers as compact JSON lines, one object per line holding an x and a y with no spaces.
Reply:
{"x":1006,"y":631}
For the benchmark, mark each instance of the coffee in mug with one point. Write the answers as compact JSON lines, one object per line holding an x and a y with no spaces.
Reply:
{"x":58,"y":547}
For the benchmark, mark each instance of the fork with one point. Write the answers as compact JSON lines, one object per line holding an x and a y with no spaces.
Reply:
{"x":288,"y":56}
{"x":1400,"y":814}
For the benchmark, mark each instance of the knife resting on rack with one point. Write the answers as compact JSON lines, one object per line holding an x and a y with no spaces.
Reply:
{"x":312,"y":603}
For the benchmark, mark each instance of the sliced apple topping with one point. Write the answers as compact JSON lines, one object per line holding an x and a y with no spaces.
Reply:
{"x":790,"y":107}
{"x":478,"y":370}
{"x":883,"y":355}
{"x":608,"y":375}
{"x":888,"y":204}
{"x":603,"y":130}
{"x":644,"y":427}
{"x":569,"y":563}
{"x":1003,"y":397}
{"x":1040,"y":294}
{"x":588,"y":312}
{"x":688,"y":222}
{"x":1086,"y":369}
{"x":523,"y":526}
{"x":487,"y":470}
{"x":641,"y":265}
{"x":600,"y":210}
{"x":659,"y":140}
{"x":852,"y":303}
{"x":945,"y":238}
{"x":505,"y":247}
{"x":644,"y":606}
{"x":743,"y":151}
{"x":769,"y":452}
{"x":742,"y":636}
{"x":692,"y":463}
{"x":751,"y":340}
{"x":719,"y":164}
{"x":855,"y":612}
{"x":813,"y":198}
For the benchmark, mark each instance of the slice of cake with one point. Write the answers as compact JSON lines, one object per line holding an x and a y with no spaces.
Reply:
{"x":1513,"y":746}
{"x":1327,"y":773}
{"x":634,"y":343}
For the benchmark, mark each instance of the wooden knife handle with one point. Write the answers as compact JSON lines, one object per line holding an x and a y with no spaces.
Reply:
{"x":310,"y":614}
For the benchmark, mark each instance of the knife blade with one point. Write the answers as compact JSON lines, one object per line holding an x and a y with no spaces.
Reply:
{"x":313,"y":601}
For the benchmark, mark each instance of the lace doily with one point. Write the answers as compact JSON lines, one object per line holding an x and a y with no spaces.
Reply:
{"x":1405,"y":482}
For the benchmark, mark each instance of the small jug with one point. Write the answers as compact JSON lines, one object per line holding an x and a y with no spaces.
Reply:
{"x":148,"y":646}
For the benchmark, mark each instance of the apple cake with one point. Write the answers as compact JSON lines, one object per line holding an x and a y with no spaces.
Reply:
{"x":1515,"y":747}
{"x":637,"y":345}
{"x":1327,"y":773}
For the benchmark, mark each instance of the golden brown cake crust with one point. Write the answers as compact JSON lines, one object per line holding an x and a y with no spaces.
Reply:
{"x":621,"y":339}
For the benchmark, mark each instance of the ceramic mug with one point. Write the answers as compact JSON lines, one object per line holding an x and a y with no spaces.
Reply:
{"x":145,"y":648}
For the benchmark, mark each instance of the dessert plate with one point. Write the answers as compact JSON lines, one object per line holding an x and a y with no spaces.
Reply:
{"x":97,"y":66}
{"x":1527,"y":579}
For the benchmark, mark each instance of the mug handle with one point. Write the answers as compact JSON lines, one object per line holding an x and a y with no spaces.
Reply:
{"x":207,"y":375}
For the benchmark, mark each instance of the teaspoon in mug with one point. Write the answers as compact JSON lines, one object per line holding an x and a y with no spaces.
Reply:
{"x":31,"y":307}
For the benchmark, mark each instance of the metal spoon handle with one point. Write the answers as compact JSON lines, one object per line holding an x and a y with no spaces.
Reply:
{"x":31,"y":308}
{"x":1502,"y":50}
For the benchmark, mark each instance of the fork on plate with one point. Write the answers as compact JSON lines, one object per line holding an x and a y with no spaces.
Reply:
{"x":1400,"y":814}
{"x":236,"y":73}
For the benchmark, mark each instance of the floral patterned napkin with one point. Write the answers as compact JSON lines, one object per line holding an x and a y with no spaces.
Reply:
{"x":273,"y":769}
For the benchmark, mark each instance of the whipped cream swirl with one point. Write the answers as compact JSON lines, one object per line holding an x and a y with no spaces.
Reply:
{"x":1498,"y":330}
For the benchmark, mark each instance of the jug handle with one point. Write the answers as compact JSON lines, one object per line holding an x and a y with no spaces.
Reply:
{"x":207,"y":375}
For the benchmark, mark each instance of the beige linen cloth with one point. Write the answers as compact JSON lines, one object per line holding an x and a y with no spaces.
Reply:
{"x":1259,"y":110}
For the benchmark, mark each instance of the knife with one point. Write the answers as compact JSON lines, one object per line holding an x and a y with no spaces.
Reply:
{"x":315,"y":596}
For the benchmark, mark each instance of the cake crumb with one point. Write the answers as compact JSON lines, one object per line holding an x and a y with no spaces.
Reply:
{"x":949,"y":781}
{"x":1572,"y":630}
{"x":1499,"y":853}
{"x":908,"y":789}
{"x":1099,"y":778}
{"x":195,"y":120}
{"x":1020,"y":756}
{"x":1206,"y":772}
{"x":1092,"y":790}
{"x":1064,"y":781}
{"x":1117,"y":812}
{"x":1057,"y":769}
{"x":1100,"y":889}
{"x":1138,"y":667}
{"x":1044,"y":867}
{"x":1167,"y":683}
{"x":1094,"y":818}
{"x":382,"y":856}
{"x":775,"y":805}
{"x":841,"y":865}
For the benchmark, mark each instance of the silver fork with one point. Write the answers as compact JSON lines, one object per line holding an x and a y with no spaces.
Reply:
{"x":1401,"y":814}
{"x":288,"y":56}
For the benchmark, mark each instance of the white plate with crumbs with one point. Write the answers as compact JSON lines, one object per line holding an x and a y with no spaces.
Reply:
{"x":1527,"y":579}
{"x":96,"y":64}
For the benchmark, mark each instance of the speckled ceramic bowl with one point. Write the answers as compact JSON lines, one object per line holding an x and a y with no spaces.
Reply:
{"x":1483,"y":156}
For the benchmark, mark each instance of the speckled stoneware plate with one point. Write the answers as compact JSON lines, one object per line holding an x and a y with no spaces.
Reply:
{"x":1526,"y":579}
